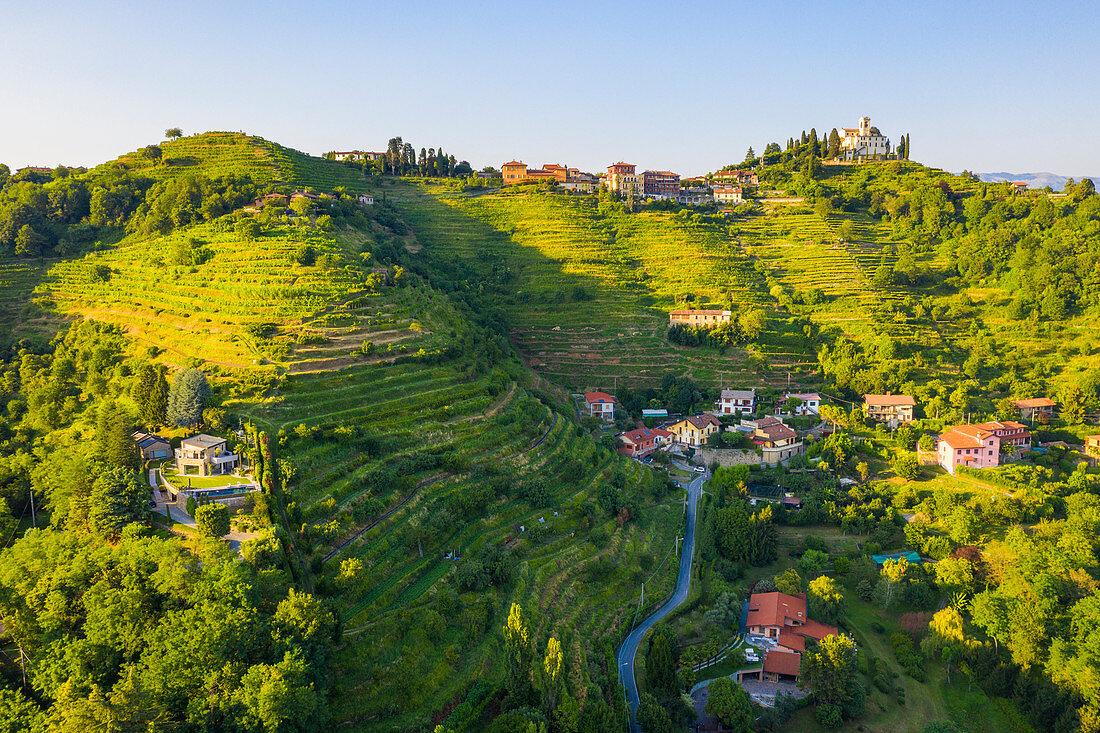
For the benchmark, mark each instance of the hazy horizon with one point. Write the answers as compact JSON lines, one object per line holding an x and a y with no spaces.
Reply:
{"x":686,"y":89}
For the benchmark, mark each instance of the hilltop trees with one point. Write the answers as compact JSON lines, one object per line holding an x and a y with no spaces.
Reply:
{"x":150,"y":393}
{"x":173,"y":133}
{"x":187,"y":398}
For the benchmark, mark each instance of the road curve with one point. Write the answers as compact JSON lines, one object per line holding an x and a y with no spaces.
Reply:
{"x":629,"y":649}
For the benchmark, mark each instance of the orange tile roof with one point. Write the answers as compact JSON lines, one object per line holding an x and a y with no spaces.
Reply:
{"x":816,"y":630}
{"x":692,"y":312}
{"x":888,"y":399}
{"x":965,"y":436}
{"x":773,"y":609}
{"x":792,"y":641}
{"x":777,"y":662}
{"x":598,"y":397}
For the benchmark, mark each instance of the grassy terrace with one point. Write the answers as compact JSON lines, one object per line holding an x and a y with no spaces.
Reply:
{"x":633,"y":268}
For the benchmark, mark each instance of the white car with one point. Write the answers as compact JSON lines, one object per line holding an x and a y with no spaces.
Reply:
{"x":699,"y":469}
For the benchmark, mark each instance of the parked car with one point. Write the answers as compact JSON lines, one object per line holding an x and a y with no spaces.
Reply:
{"x":699,"y":469}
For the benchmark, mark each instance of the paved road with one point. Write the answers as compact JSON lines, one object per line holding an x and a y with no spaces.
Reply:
{"x":629,"y":649}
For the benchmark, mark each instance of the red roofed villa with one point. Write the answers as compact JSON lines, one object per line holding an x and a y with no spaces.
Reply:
{"x":783,"y":617}
{"x":599,"y":404}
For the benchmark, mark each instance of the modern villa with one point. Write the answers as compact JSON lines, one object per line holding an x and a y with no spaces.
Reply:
{"x":205,"y":455}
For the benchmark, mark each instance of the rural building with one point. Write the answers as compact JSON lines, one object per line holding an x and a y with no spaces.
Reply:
{"x":1010,"y":432}
{"x":568,"y":178}
{"x":366,"y":199}
{"x":776,"y":441}
{"x":152,"y":447}
{"x":811,"y":402}
{"x":358,"y":155}
{"x":656,"y":414}
{"x":783,"y":618}
{"x":968,"y":445}
{"x":665,"y":184}
{"x":639,"y":442}
{"x":695,"y":196}
{"x":1092,"y":445}
{"x":699,"y":318}
{"x":863,"y":141}
{"x":599,"y":404}
{"x":205,"y":455}
{"x":695,"y":430}
{"x":739,"y":178}
{"x":728,"y":195}
{"x":622,"y":179}
{"x":892,"y":409}
{"x":1019,"y":187}
{"x":734,"y":401}
{"x":1035,"y":408}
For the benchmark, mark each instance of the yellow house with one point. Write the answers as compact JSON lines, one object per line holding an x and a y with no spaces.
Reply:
{"x":695,"y":430}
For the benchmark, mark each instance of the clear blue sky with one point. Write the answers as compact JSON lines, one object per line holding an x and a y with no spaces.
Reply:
{"x":984,"y":86}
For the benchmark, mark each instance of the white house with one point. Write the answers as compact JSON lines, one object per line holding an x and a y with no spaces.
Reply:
{"x":599,"y":404}
{"x":728,"y":195}
{"x":733,"y":401}
{"x":366,"y":199}
{"x":811,"y":402}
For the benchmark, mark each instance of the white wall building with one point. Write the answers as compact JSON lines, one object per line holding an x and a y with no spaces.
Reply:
{"x":861,"y":143}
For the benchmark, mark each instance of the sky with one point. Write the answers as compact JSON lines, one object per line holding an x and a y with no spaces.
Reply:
{"x":981,"y":86}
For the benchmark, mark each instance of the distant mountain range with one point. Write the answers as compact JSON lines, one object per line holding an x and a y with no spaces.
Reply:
{"x":1034,"y":180}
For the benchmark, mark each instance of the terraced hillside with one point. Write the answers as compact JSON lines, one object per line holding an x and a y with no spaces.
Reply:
{"x":592,"y":290}
{"x":426,"y":486}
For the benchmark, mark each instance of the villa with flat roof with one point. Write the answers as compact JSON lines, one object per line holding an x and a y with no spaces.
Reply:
{"x":205,"y":455}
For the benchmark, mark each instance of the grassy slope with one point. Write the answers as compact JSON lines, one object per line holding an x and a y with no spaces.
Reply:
{"x":485,"y":424}
{"x":636,"y":267}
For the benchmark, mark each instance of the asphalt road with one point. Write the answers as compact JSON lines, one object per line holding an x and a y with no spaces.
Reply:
{"x":629,"y":649}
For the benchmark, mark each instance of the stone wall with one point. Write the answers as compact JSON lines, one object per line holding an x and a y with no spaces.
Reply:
{"x":726,"y":457}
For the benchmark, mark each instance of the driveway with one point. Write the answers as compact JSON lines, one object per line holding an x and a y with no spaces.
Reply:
{"x":629,"y":650}
{"x":176,"y":513}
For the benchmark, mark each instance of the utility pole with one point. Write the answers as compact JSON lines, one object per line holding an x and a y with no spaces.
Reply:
{"x":34,"y":521}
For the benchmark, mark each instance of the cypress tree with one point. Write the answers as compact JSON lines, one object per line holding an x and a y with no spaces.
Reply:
{"x":187,"y":397}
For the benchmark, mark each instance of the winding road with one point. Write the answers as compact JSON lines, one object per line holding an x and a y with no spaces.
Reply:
{"x":629,"y":649}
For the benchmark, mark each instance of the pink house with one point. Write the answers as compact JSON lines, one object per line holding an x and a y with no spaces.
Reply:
{"x":639,"y":442}
{"x":968,"y":445}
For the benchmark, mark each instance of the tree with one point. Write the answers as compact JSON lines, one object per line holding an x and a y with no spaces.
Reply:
{"x":907,"y":466}
{"x":829,"y":670}
{"x":174,"y":133}
{"x":863,"y":470}
{"x":187,"y":397}
{"x":660,"y":662}
{"x":28,"y":242}
{"x":152,"y":153}
{"x":826,"y":602}
{"x":551,"y":670}
{"x":212,"y":520}
{"x":652,"y":717}
{"x":834,"y":143}
{"x":789,"y":582}
{"x":728,"y":701}
{"x":116,"y":499}
{"x":892,"y":573}
{"x":150,"y":394}
{"x":114,"y":441}
{"x":518,"y":654}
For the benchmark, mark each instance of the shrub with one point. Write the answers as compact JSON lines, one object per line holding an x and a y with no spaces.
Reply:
{"x":907,"y":656}
{"x":306,"y":255}
{"x":212,"y":520}
{"x":829,"y":716}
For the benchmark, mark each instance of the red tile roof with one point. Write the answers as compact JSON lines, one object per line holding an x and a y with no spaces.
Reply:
{"x":888,"y":399}
{"x":816,"y":630}
{"x":794,"y":642}
{"x":637,"y":435}
{"x":598,"y":397}
{"x":965,"y":436}
{"x":1035,"y":402}
{"x":773,"y":609}
{"x":689,"y":311}
{"x":777,"y":662}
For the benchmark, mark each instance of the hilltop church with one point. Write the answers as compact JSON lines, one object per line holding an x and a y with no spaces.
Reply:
{"x":863,"y":142}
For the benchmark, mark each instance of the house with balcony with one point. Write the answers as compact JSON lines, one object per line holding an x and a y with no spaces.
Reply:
{"x":1036,"y":408}
{"x":599,"y":404}
{"x":811,"y":402}
{"x":968,"y":445}
{"x":736,"y":401}
{"x":892,"y":409}
{"x":205,"y":455}
{"x":695,"y":430}
{"x":776,"y":441}
{"x":783,"y":619}
{"x":641,"y":442}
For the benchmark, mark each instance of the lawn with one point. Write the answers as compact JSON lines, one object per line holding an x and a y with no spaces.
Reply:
{"x":199,"y":482}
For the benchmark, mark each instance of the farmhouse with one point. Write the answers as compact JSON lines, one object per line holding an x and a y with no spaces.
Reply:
{"x":599,"y":404}
{"x":892,"y":409}
{"x":864,"y":141}
{"x":1010,"y":432}
{"x":640,"y":442}
{"x":366,"y":199}
{"x":699,"y":318}
{"x":152,"y":447}
{"x":735,"y":401}
{"x":1035,"y":408}
{"x":977,"y":446}
{"x":205,"y":455}
{"x":783,"y":618}
{"x":1092,"y":446}
{"x":776,"y":441}
{"x":695,"y":430}
{"x":728,"y":195}
{"x":811,"y":402}
{"x":1019,"y":187}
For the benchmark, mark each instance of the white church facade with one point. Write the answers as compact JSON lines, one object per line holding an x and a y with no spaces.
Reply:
{"x":864,"y":141}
